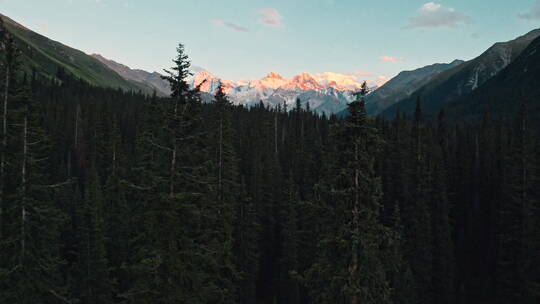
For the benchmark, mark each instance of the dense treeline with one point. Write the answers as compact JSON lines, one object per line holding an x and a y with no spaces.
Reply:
{"x":115,"y":197}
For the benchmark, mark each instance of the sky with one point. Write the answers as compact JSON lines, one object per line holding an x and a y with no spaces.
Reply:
{"x":240,"y":39}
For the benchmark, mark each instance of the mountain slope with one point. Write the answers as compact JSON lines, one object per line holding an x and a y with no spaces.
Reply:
{"x":46,"y":57}
{"x":450,"y":85}
{"x":403,"y":85}
{"x":141,"y":77}
{"x":503,"y":95}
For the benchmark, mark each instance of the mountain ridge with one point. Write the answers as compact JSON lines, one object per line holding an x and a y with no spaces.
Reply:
{"x":143,"y":77}
{"x":465,"y":78}
{"x":403,"y":85}
{"x":48,"y":57}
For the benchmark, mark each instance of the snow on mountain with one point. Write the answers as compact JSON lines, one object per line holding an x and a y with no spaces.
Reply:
{"x":325,"y":93}
{"x":342,"y":82}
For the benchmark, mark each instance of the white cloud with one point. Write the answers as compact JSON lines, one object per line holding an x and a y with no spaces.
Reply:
{"x":390,"y":59}
{"x":434,"y":15}
{"x":230,"y":25}
{"x":533,"y":14}
{"x":270,"y":16}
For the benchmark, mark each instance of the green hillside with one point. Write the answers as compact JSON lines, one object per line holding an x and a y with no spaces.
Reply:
{"x":47,"y":57}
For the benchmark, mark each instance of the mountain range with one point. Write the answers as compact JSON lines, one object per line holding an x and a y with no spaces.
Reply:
{"x":452,"y":85}
{"x":325,"y":92}
{"x":459,"y":81}
{"x":403,"y":85}
{"x":516,"y":86}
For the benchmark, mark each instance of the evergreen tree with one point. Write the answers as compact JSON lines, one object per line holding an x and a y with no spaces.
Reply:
{"x":351,"y":255}
{"x":93,"y":272}
{"x":30,"y":267}
{"x":289,"y":291}
{"x":516,"y":218}
{"x":416,"y":212}
{"x":9,"y":63}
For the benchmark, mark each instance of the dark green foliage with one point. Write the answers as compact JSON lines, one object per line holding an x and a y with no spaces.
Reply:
{"x":115,"y":197}
{"x":351,"y":255}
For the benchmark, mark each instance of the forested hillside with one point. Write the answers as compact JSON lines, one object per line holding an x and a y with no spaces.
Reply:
{"x":115,"y":197}
{"x":50,"y":58}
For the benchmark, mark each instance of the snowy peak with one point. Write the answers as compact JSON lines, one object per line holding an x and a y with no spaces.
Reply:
{"x":274,"y":75}
{"x":304,"y":82}
{"x":271,"y":81}
{"x":206,"y":80}
{"x":209,"y":83}
{"x":325,"y":92}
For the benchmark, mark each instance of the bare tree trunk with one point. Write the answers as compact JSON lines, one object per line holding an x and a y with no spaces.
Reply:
{"x":114,"y":160}
{"x":4,"y":146}
{"x":76,"y":139}
{"x":174,"y":151}
{"x":114,"y":154}
{"x":353,"y":269}
{"x":23,"y":180}
{"x":69,"y":164}
{"x":220,"y":157}
{"x":275,"y":134}
{"x":524,"y":179}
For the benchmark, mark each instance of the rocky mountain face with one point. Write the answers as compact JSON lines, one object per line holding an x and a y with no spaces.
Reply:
{"x":321,"y":91}
{"x":452,"y":84}
{"x":516,"y":86}
{"x":403,"y":85}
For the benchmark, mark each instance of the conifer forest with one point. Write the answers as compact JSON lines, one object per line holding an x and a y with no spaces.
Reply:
{"x":118,"y":196}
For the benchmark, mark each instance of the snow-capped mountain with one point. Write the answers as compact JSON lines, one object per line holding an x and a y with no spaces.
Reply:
{"x":325,"y":93}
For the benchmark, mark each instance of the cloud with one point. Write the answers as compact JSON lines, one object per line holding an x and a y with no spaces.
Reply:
{"x":270,"y":16}
{"x":475,"y":35}
{"x":390,"y":59}
{"x":232,"y":26}
{"x":361,"y":74}
{"x":434,"y":15}
{"x":534,"y":14}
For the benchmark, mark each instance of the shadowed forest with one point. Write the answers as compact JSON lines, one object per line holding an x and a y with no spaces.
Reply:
{"x":108,"y":196}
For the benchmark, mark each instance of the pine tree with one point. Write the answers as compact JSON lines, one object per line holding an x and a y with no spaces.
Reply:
{"x":220,"y":201}
{"x":351,"y":251}
{"x":443,"y":249}
{"x":516,"y":218}
{"x":93,"y":271}
{"x":9,"y":63}
{"x":289,"y":291}
{"x":246,"y":249}
{"x":173,"y":264}
{"x":30,"y":270}
{"x":416,"y":212}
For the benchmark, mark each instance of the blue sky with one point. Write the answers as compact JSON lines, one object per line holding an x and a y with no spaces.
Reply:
{"x":248,"y":38}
